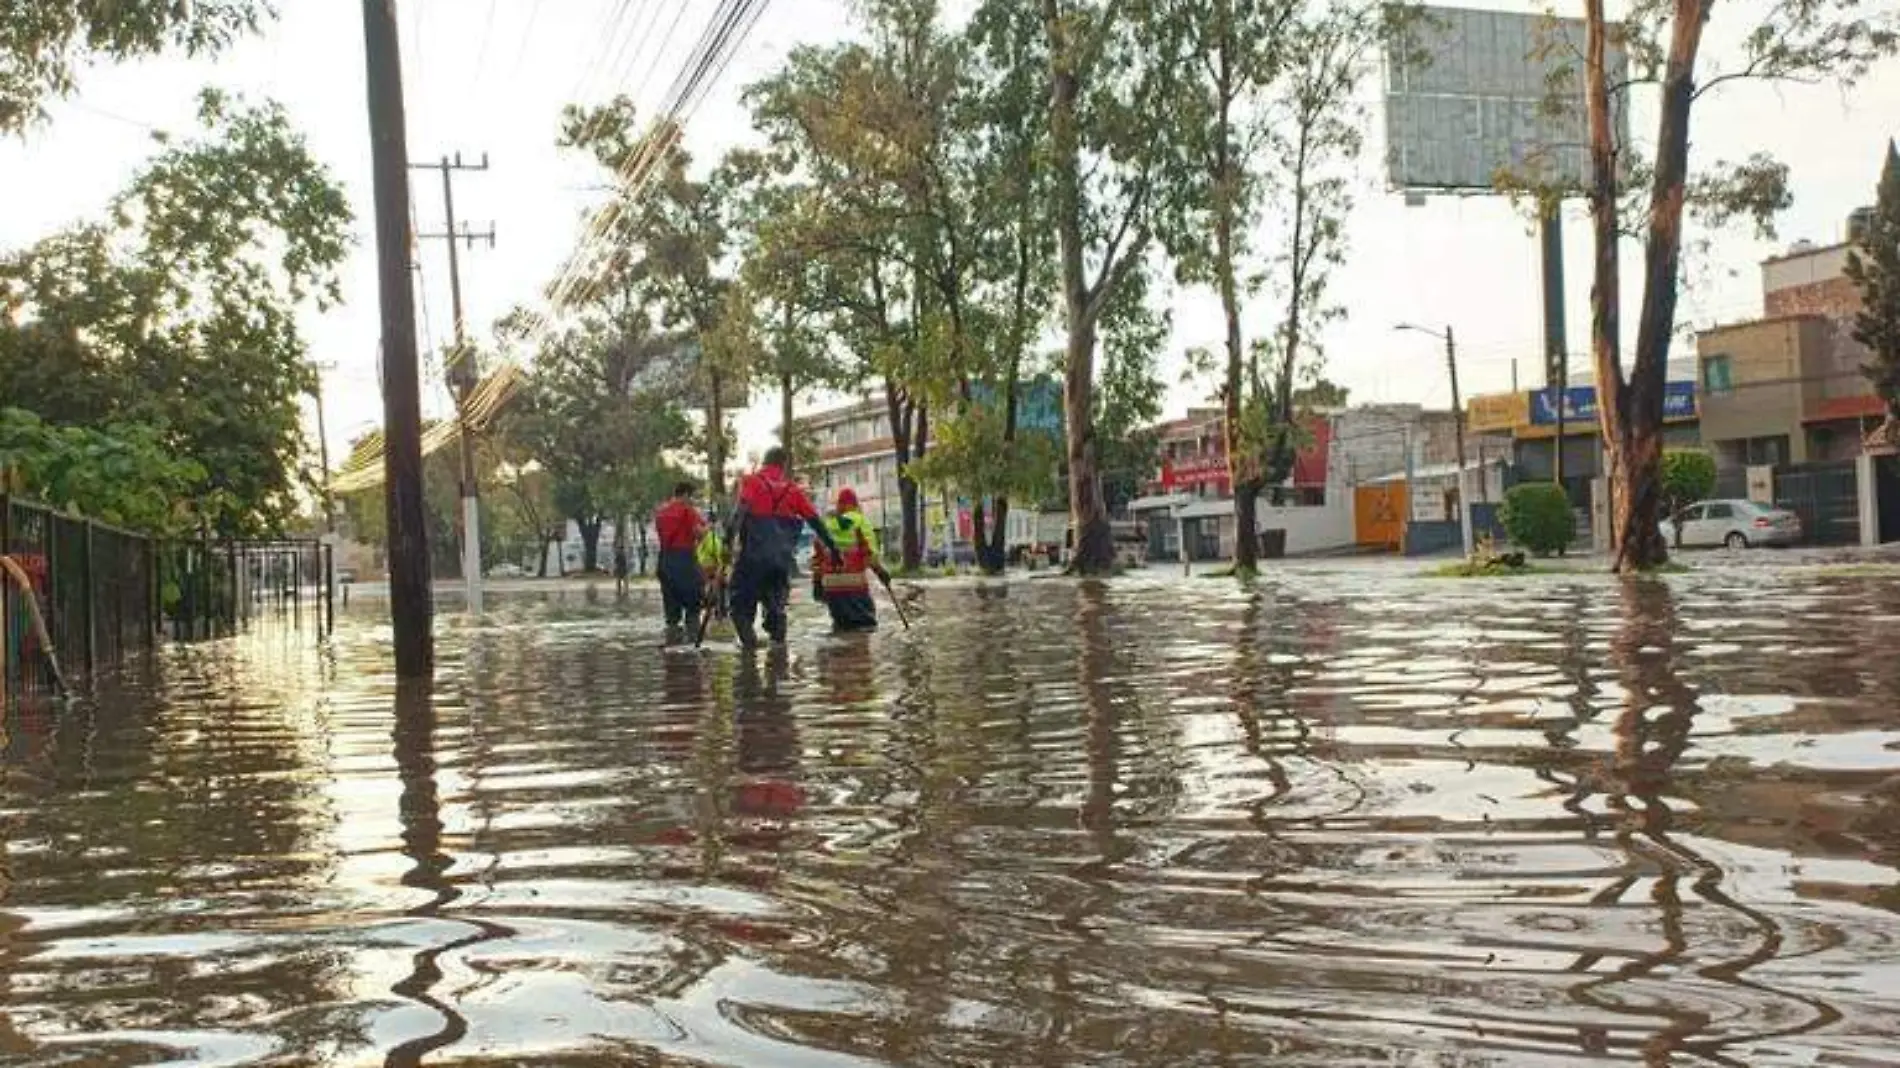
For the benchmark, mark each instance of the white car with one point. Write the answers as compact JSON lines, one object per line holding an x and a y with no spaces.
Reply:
{"x":1734,"y":523}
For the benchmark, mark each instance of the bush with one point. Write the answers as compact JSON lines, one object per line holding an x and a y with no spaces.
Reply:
{"x":1537,"y":517}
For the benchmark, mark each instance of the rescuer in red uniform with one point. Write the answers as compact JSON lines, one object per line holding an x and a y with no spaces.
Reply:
{"x":679,"y":526}
{"x":764,"y":524}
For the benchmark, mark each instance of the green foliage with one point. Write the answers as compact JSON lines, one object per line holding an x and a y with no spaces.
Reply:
{"x":1688,"y":476}
{"x":1537,"y":516}
{"x":121,"y":475}
{"x":600,"y":422}
{"x":180,"y":312}
{"x":43,"y":43}
{"x":1875,"y":268}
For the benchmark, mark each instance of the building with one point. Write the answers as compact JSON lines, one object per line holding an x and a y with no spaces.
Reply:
{"x":1525,"y":424}
{"x":1787,"y":388}
{"x":855,"y":449}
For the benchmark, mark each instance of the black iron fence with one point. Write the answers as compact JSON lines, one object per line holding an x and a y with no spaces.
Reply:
{"x":1826,"y":495}
{"x":78,"y":596}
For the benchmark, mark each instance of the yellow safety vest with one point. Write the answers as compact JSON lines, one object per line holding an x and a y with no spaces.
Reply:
{"x":857,"y":543}
{"x":710,"y":553}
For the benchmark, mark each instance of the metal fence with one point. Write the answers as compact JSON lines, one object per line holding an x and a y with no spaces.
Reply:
{"x":101,"y":596}
{"x":1826,"y":495}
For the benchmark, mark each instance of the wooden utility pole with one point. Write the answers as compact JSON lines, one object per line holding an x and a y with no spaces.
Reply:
{"x":410,"y":609}
{"x":461,"y":373}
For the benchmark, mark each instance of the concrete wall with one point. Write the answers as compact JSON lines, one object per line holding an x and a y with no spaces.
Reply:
{"x":1765,"y":362}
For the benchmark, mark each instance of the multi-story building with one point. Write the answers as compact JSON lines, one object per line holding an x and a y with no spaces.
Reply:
{"x":855,"y":448}
{"x":1787,"y":388}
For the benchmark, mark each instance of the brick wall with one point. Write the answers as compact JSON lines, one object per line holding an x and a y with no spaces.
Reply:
{"x":1836,"y":298}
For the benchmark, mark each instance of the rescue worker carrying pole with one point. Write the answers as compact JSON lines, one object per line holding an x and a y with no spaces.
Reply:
{"x":764,"y":523}
{"x":679,"y":526}
{"x":846,"y":590}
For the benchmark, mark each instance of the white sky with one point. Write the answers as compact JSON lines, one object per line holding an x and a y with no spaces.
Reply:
{"x":492,"y":75}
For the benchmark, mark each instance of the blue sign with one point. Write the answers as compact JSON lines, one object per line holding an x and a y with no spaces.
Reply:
{"x":1580,"y":404}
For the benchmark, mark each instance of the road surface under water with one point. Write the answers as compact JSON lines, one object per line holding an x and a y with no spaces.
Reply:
{"x":1355,"y":817}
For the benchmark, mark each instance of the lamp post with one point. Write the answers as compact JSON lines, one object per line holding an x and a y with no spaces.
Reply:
{"x":1458,"y":416}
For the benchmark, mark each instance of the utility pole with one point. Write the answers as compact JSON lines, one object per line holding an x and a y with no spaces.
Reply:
{"x":1458,"y":415}
{"x":410,"y":609}
{"x":460,"y":371}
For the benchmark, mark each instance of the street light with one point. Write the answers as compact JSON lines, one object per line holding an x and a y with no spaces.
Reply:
{"x":1458,"y":416}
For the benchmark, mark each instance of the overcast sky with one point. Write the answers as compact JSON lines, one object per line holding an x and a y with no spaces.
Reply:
{"x":491,"y":76}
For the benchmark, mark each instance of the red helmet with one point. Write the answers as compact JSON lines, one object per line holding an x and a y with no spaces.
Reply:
{"x":847,"y":500}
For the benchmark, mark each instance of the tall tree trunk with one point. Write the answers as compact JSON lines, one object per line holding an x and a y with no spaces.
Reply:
{"x":1242,"y":469}
{"x":1631,"y":411}
{"x":715,"y":437}
{"x":786,"y":393}
{"x":897,"y":411}
{"x":590,"y":543}
{"x":993,"y":552}
{"x":1093,"y":548}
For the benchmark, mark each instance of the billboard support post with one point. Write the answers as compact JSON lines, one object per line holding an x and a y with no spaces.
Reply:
{"x":1556,"y":348}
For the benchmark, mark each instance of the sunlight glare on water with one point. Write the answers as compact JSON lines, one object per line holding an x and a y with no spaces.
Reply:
{"x":1349,"y":818}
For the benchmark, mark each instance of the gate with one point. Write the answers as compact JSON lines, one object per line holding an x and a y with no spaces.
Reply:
{"x":1826,"y":495}
{"x":1887,"y":496}
{"x":1378,"y":514}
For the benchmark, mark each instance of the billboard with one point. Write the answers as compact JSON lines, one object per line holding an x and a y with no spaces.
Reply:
{"x":1580,"y":404}
{"x":1492,"y":92}
{"x":678,"y":374}
{"x":1038,"y":403}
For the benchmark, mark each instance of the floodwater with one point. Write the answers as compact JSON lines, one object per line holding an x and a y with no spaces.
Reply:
{"x":1354,"y":818}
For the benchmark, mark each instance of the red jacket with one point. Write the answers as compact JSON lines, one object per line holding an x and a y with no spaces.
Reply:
{"x":679,"y":525}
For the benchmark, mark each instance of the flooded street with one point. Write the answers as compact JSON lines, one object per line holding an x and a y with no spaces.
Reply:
{"x":1356,"y":817}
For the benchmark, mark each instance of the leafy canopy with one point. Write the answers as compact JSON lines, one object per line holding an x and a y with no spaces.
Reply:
{"x":178,"y":312}
{"x":44,"y":43}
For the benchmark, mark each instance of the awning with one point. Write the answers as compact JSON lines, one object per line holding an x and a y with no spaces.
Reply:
{"x":1207,"y":509}
{"x":1427,"y":472}
{"x":1158,"y":502}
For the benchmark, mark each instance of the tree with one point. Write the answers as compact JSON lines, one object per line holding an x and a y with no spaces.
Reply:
{"x":1794,"y":39}
{"x":120,"y":475}
{"x":600,"y":419}
{"x":1275,"y":123}
{"x":780,"y":307}
{"x":845,"y":121}
{"x":1875,"y":267}
{"x":1115,"y":69}
{"x":43,"y":45}
{"x":179,"y":313}
{"x":669,"y":240}
{"x":1688,"y":476}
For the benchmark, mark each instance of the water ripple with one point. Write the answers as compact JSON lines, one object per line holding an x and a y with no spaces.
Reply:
{"x":1347,"y":818}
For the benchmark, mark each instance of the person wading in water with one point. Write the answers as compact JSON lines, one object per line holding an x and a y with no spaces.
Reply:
{"x":846,"y":590}
{"x":679,"y":526}
{"x":764,"y":524}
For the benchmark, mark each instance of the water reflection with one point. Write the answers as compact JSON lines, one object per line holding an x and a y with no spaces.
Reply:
{"x":1344,"y":818}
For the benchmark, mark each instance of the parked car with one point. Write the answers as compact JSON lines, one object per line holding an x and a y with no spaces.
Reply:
{"x":345,"y":575}
{"x":1735,"y":523}
{"x":507,"y":571}
{"x":963,"y":554}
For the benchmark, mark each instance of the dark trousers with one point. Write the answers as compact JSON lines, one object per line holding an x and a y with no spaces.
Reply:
{"x":760,"y":583}
{"x":679,"y":586}
{"x":851,"y":611}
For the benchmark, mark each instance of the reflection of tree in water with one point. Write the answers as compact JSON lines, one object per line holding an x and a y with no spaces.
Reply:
{"x":420,"y":810}
{"x":1652,"y":732}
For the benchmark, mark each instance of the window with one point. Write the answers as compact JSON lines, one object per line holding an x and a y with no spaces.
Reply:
{"x":1719,"y":510}
{"x":1717,"y":375}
